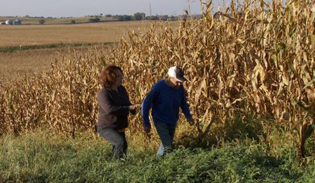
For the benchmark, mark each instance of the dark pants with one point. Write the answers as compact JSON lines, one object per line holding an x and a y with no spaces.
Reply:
{"x":117,"y":140}
{"x":166,"y":133}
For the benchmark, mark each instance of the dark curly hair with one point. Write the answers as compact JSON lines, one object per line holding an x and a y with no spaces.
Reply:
{"x":108,"y":75}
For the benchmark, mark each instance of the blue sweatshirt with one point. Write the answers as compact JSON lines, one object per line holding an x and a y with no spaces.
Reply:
{"x":165,"y":102}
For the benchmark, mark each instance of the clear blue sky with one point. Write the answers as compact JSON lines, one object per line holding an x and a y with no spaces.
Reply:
{"x":77,"y":8}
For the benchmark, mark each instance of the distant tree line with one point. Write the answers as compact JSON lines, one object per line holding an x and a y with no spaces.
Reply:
{"x":140,"y":16}
{"x":137,"y":16}
{"x":27,"y":16}
{"x":95,"y":19}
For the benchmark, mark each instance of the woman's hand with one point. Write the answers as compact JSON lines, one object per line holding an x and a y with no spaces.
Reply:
{"x":121,"y":130}
{"x":134,"y":107}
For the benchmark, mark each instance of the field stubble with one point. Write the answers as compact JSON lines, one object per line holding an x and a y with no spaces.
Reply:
{"x":25,"y":50}
{"x":29,"y":63}
{"x":78,"y":33}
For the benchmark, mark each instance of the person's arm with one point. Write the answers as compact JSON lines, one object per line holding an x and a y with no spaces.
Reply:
{"x":107,"y":106}
{"x":132,"y":111}
{"x":184,"y":106}
{"x":147,"y":104}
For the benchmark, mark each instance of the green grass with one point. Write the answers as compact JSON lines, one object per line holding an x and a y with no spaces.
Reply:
{"x":42,"y":157}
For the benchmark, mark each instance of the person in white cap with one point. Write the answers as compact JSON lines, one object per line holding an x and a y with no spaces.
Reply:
{"x":165,"y":99}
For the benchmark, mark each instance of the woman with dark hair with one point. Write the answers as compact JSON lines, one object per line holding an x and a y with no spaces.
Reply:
{"x":114,"y":106}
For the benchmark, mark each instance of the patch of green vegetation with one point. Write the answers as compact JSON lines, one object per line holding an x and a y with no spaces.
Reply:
{"x":41,"y":157}
{"x":48,"y":46}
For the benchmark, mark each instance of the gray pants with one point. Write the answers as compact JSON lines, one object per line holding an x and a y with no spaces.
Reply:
{"x":117,"y":140}
{"x":166,"y":133}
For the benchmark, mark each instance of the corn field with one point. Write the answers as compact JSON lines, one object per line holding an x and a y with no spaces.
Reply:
{"x":255,"y":59}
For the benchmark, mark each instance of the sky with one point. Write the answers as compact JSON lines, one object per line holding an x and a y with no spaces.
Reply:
{"x":79,"y":8}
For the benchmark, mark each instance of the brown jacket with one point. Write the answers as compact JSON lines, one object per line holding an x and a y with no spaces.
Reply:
{"x":113,"y":112}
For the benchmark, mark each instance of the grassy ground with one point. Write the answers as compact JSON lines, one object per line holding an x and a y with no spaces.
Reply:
{"x":42,"y":157}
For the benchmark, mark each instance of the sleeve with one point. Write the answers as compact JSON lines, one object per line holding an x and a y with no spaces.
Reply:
{"x":129,"y":103}
{"x":147,"y":104}
{"x":107,"y":106}
{"x":184,"y":106}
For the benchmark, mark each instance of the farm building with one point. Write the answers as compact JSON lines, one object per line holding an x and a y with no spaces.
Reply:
{"x":17,"y":22}
{"x":9,"y":22}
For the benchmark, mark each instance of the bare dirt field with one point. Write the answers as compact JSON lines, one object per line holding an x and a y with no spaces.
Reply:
{"x":78,"y":33}
{"x":18,"y":58}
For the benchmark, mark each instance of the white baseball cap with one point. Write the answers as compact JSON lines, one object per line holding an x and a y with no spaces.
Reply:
{"x":176,"y":73}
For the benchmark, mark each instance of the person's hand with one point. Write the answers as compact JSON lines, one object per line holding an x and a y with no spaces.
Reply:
{"x":191,"y":121}
{"x":121,"y":130}
{"x":134,"y":107}
{"x":147,"y":129}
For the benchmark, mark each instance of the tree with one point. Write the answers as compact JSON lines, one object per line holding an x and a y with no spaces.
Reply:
{"x":154,"y":17}
{"x":164,"y":17}
{"x":94,"y":19}
{"x":72,"y":21}
{"x":120,"y":17}
{"x":127,"y":17}
{"x":41,"y":21}
{"x":123,"y":17}
{"x":173,"y":18}
{"x":139,"y":16}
